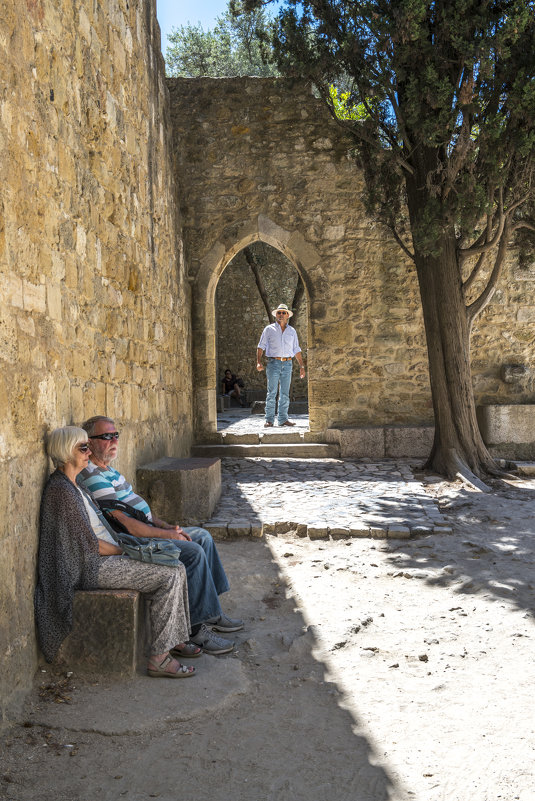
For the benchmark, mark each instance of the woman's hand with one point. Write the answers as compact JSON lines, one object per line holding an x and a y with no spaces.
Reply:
{"x":108,"y":549}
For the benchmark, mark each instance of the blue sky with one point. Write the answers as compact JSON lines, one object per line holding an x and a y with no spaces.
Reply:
{"x":174,"y":13}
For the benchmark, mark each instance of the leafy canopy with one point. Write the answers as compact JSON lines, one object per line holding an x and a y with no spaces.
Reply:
{"x":234,"y":47}
{"x":438,"y":93}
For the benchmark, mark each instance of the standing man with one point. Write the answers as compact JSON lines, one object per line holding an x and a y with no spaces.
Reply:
{"x":205,"y":574}
{"x":280,"y":344}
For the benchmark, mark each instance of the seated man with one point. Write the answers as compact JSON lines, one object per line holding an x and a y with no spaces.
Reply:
{"x":205,"y":574}
{"x":231,"y":387}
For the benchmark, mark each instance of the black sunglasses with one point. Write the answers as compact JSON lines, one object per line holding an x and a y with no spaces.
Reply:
{"x":108,"y":436}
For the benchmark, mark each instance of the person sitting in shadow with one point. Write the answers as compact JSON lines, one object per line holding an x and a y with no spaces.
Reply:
{"x":232,"y":387}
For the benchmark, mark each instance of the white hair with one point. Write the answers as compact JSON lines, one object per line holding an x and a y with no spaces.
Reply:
{"x":62,"y":442}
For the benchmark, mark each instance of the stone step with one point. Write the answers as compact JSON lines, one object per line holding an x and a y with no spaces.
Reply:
{"x":305,"y":450}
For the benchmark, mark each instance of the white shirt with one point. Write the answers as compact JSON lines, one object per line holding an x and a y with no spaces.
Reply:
{"x":277,"y":342}
{"x":99,"y":528}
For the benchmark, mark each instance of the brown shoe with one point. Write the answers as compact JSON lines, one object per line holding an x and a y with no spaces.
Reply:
{"x":268,"y":425}
{"x":287,"y":423}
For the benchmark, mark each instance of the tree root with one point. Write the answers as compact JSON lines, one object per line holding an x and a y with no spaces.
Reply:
{"x":460,"y":470}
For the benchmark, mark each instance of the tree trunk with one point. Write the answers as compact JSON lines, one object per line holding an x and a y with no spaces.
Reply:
{"x":298,"y":295}
{"x":458,"y":448}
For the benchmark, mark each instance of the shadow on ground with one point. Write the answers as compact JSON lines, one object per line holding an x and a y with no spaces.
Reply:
{"x":263,"y":724}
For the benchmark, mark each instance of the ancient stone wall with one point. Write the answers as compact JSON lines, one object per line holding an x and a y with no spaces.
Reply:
{"x":259,"y":159}
{"x":241,"y":315}
{"x":93,"y":298}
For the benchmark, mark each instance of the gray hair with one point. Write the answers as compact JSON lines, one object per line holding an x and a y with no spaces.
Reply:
{"x":90,"y":424}
{"x":62,"y":442}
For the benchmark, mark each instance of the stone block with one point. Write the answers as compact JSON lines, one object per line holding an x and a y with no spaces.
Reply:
{"x":218,"y":529}
{"x":359,"y":530}
{"x":378,"y":533}
{"x":269,"y":529}
{"x":398,"y":533}
{"x":181,"y":490}
{"x":408,"y":441}
{"x":358,"y":443}
{"x":258,"y":407}
{"x":239,"y":439}
{"x":274,"y":437}
{"x":257,"y":530}
{"x":239,"y":528}
{"x":507,"y":424}
{"x":107,"y":635}
{"x":340,"y":533}
{"x":302,"y":530}
{"x":318,"y":531}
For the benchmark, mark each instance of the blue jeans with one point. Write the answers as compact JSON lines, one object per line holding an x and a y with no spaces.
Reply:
{"x":279,"y":374}
{"x":205,"y":574}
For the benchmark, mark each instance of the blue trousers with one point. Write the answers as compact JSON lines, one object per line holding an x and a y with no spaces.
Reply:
{"x":279,"y":374}
{"x":205,"y":574}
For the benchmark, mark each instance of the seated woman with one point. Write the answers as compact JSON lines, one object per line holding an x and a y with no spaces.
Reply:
{"x":76,"y":551}
{"x":231,"y":387}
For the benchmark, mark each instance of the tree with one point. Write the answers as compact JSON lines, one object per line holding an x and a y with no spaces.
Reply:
{"x":439,"y":96}
{"x":234,"y":47}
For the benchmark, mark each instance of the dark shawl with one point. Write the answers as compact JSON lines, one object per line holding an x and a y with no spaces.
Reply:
{"x":68,"y":560}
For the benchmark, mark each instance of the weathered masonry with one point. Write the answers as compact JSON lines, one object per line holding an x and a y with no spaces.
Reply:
{"x":94,"y":302}
{"x":258,"y":160}
{"x":122,"y":201}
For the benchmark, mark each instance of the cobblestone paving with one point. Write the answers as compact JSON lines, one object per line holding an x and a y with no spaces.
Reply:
{"x":328,"y":496}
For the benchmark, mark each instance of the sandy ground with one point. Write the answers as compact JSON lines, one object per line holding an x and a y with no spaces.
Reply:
{"x":368,"y":670}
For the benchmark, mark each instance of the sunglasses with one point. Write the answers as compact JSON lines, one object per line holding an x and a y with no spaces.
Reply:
{"x":108,"y":436}
{"x":282,"y":312}
{"x":84,"y":447}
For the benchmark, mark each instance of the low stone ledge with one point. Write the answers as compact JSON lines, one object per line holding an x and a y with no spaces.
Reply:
{"x":107,"y":635}
{"x":181,"y":491}
{"x":408,"y":441}
{"x":382,"y":442}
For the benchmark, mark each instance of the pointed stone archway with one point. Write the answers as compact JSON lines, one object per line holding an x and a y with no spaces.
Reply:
{"x":232,"y":240}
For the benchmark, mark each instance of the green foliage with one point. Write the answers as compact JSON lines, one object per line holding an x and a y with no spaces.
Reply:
{"x":234,"y":47}
{"x":440,"y":99}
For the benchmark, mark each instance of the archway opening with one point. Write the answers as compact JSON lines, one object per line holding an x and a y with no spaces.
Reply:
{"x":254,"y":282}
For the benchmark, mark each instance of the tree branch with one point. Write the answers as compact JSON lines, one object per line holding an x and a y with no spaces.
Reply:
{"x":475,"y":308}
{"x":258,"y":278}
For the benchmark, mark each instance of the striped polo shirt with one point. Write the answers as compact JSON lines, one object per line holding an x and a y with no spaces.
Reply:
{"x":105,"y":483}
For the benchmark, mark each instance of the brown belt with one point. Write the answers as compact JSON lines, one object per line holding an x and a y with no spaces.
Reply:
{"x":281,"y":358}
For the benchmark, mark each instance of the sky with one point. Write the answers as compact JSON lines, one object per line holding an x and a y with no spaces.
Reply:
{"x":174,"y":13}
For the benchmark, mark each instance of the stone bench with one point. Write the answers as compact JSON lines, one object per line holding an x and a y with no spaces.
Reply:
{"x":183,"y":491}
{"x":108,"y":633}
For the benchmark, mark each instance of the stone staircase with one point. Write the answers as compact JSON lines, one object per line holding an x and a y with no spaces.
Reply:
{"x":268,"y":444}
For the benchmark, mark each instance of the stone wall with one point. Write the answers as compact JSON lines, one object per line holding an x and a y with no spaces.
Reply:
{"x":259,"y":159}
{"x":241,"y":315}
{"x":93,"y":298}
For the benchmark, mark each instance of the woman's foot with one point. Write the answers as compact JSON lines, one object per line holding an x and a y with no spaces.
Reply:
{"x":186,"y":650}
{"x":168,"y":668}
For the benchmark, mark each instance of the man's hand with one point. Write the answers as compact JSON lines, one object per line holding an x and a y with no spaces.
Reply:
{"x":259,"y":366}
{"x":177,"y":533}
{"x":301,"y":372}
{"x":160,"y":529}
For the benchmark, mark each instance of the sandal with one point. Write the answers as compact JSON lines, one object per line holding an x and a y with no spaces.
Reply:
{"x":164,"y":669}
{"x":186,"y":650}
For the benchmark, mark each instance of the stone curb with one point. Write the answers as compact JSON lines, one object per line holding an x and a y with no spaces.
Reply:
{"x":255,"y":529}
